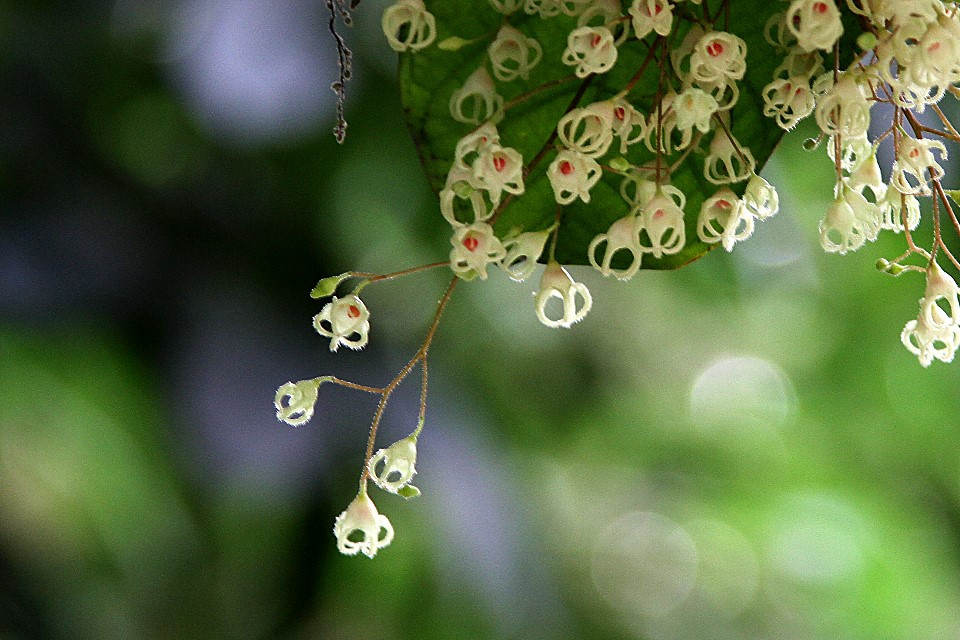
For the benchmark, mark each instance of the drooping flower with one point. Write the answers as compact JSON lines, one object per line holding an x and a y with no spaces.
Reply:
{"x":398,"y":469}
{"x":477,"y":100}
{"x":522,"y":252}
{"x":718,"y":57}
{"x":840,"y":229}
{"x":590,"y":50}
{"x":474,"y":248}
{"x":341,"y":319}
{"x":408,"y":25}
{"x":728,"y":161}
{"x":620,"y":237}
{"x":940,"y":287}
{"x":788,"y":101}
{"x":499,"y":169}
{"x":557,"y":283}
{"x":915,"y":165}
{"x":694,"y":108}
{"x":572,"y":175}
{"x":724,"y":218}
{"x":760,"y":198}
{"x":928,"y":340}
{"x":661,"y":222}
{"x":651,"y":15}
{"x":295,"y":401}
{"x":361,"y":516}
{"x":814,"y":23}
{"x":513,"y":55}
{"x":588,"y":130}
{"x":844,"y":110}
{"x":891,"y":210}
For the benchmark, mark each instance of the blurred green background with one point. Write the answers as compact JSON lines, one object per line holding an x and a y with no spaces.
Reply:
{"x":739,"y":450}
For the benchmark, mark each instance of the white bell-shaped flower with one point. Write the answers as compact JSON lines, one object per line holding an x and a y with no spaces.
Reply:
{"x":788,"y":101}
{"x":621,"y":237}
{"x":522,"y":252}
{"x":728,"y":161}
{"x":513,"y":55}
{"x":345,"y":321}
{"x":927,"y":341}
{"x":477,"y":100}
{"x":295,"y":401}
{"x":814,"y":23}
{"x":590,"y":50}
{"x":941,"y":289}
{"x":398,"y":465}
{"x":868,"y":213}
{"x":717,"y":57}
{"x":937,"y":57}
{"x":866,"y":175}
{"x":694,"y":108}
{"x":636,"y":190}
{"x":408,"y":25}
{"x":651,"y":15}
{"x":470,"y":146}
{"x":661,"y":223}
{"x":840,"y":229}
{"x":844,"y":110}
{"x":361,"y":517}
{"x":499,"y":169}
{"x":761,"y":198}
{"x":557,"y":283}
{"x":915,"y":165}
{"x":892,"y":209}
{"x":723,"y":218}
{"x":572,"y":175}
{"x":588,"y":130}
{"x":474,"y":247}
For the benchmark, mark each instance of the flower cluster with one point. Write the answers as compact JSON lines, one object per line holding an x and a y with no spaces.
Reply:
{"x":631,"y":142}
{"x":912,"y":62}
{"x":698,"y":90}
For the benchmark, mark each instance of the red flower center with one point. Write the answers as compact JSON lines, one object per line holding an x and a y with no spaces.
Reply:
{"x":499,"y":162}
{"x":619,"y":113}
{"x":715,"y":48}
{"x":658,"y":214}
{"x":914,"y":153}
{"x":471,"y":243}
{"x":723,"y":204}
{"x":595,"y":40}
{"x":820,"y":7}
{"x":353,"y":311}
{"x":566,"y":168}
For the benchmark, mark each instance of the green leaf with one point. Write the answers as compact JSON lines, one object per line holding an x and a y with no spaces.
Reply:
{"x":429,"y":77}
{"x":954,"y":194}
{"x":409,"y":491}
{"x":328,"y":286}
